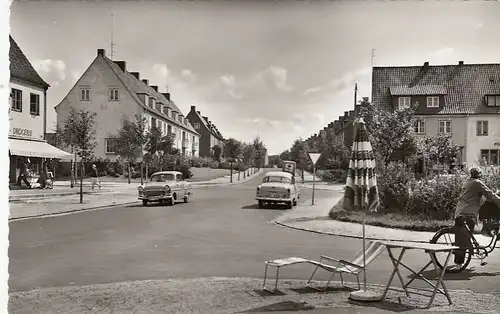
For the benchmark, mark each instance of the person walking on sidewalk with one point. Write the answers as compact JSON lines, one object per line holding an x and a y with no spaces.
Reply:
{"x":467,"y":210}
{"x":23,"y":173}
{"x":95,"y":177}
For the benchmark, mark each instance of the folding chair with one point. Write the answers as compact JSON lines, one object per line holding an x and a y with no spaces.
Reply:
{"x":352,"y":267}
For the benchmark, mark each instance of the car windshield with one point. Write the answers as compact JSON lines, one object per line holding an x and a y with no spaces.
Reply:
{"x":277,"y":179}
{"x":162,"y":177}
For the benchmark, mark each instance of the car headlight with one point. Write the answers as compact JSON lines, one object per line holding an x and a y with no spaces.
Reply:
{"x":140,"y":189}
{"x":167,"y":189}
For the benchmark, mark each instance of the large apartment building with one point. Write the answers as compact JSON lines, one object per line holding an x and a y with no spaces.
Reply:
{"x":209,"y":134}
{"x":461,"y":99}
{"x":114,"y":93}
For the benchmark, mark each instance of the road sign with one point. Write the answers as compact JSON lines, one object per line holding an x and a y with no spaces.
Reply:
{"x":314,"y":157}
{"x":147,"y":158}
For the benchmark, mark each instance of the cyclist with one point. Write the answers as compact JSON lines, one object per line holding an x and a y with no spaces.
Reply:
{"x":467,"y":210}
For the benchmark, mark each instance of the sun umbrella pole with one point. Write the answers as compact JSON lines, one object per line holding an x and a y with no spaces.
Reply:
{"x":364,"y":252}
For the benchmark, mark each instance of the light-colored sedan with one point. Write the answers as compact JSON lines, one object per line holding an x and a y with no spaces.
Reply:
{"x":278,"y":187}
{"x":165,"y":187}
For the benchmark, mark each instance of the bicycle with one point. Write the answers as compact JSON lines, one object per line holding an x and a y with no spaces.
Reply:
{"x":474,"y":249}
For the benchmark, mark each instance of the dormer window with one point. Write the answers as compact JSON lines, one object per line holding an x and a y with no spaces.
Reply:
{"x":169,"y":112}
{"x":158,"y":107}
{"x":404,"y":102}
{"x":493,"y":100}
{"x":432,"y":102}
{"x":151,"y":102}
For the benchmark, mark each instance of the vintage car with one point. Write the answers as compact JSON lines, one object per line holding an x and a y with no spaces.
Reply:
{"x":278,"y":187}
{"x":165,"y":187}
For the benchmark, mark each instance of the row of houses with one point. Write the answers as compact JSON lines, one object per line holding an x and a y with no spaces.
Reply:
{"x":114,"y":93}
{"x":461,"y":99}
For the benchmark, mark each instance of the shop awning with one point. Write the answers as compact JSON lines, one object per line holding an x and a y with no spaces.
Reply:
{"x":35,"y":149}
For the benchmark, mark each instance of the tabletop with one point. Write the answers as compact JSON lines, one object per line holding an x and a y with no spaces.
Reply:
{"x":419,"y":246}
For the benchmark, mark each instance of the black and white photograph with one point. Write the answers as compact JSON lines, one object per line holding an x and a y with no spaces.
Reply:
{"x":250,"y":156}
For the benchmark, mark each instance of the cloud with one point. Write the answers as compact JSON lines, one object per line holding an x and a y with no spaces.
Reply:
{"x":479,"y":25}
{"x":313,"y":90}
{"x":279,"y":77}
{"x":228,"y":80}
{"x":188,"y":74}
{"x":235,"y":95}
{"x":349,"y":78}
{"x":52,"y":70}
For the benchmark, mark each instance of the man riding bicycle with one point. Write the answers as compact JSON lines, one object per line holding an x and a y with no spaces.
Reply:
{"x":467,"y":210}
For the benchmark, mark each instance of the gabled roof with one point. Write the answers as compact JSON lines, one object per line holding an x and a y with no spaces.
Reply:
{"x":21,"y":68}
{"x":465,"y":84}
{"x":418,"y":90}
{"x":135,"y":86}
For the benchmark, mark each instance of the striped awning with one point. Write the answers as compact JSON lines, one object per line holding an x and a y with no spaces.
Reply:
{"x":28,"y":148}
{"x":361,"y":187}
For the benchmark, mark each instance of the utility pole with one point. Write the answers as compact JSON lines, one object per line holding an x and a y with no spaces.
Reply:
{"x":112,"y":36}
{"x":355,"y":95}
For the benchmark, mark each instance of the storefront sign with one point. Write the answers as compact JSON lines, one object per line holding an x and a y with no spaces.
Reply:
{"x":22,"y":132}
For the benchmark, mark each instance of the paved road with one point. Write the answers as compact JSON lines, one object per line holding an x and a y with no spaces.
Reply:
{"x":220,"y":232}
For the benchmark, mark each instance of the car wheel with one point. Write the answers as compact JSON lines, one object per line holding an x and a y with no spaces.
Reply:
{"x":294,"y":202}
{"x":144,"y":203}
{"x":261,"y":204}
{"x":186,"y":198}
{"x":289,"y":205}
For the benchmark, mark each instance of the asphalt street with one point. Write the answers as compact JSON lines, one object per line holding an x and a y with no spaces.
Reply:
{"x":220,"y":232}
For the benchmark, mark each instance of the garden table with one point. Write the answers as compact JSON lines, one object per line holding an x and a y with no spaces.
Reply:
{"x":428,"y":248}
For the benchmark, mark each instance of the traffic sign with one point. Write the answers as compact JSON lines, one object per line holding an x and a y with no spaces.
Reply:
{"x":147,"y":158}
{"x":314,"y":157}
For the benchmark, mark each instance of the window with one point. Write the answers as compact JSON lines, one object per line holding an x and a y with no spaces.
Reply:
{"x":85,"y":94}
{"x":113,"y":94}
{"x":110,"y":144}
{"x":444,"y":126}
{"x":169,"y":129}
{"x":17,"y":100}
{"x":153,"y":122}
{"x":490,"y":156}
{"x":35,"y":104}
{"x":160,"y":126}
{"x":482,"y":128}
{"x":493,"y":101}
{"x":158,"y":106}
{"x":169,"y":112}
{"x":180,"y":177}
{"x":433,"y":102}
{"x":151,"y":102}
{"x":404,"y":102}
{"x":174,"y":115}
{"x":196,"y":126}
{"x":419,"y":127}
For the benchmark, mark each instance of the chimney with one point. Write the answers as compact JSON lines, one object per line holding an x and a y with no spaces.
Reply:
{"x":154,"y":87}
{"x":193,"y":108}
{"x":101,"y":52}
{"x":460,"y":63}
{"x":136,"y":75}
{"x":426,"y":64}
{"x":145,"y":81}
{"x":346,"y":113}
{"x":122,"y":65}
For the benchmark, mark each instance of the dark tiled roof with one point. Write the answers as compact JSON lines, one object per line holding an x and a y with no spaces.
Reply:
{"x":417,"y":90}
{"x":211,"y":127}
{"x":466,"y":85}
{"x":21,"y":68}
{"x":136,"y":86}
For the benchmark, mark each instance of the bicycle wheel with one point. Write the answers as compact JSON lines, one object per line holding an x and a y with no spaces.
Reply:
{"x":447,"y":236}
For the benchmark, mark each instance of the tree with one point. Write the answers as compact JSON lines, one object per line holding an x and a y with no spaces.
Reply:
{"x":390,"y":132}
{"x":260,"y":151}
{"x":439,"y":149}
{"x":78,"y":131}
{"x":216,"y":151}
{"x":131,"y":139}
{"x":298,"y":153}
{"x":233,"y":151}
{"x":286,"y":155}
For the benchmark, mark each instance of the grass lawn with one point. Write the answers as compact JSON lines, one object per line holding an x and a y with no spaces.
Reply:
{"x":199,"y":174}
{"x":388,"y":220}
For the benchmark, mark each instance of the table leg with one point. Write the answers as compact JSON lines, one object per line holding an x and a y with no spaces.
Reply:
{"x":277,"y":276}
{"x":417,"y":274}
{"x":265,"y":277}
{"x":441,"y":279}
{"x":399,"y":274}
{"x":396,"y":270}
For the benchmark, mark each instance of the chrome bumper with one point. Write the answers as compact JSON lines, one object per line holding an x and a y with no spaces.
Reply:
{"x":156,"y":198}
{"x":274,"y":199}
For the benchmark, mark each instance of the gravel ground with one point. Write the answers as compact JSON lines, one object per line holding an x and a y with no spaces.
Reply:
{"x":224,"y":295}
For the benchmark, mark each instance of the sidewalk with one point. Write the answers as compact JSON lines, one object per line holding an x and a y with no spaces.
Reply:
{"x":234,"y":295}
{"x":42,"y":206}
{"x":62,"y":188}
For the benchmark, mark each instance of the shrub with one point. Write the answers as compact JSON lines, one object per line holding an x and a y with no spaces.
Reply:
{"x":203,"y":162}
{"x":435,"y":198}
{"x":394,"y":182}
{"x":336,"y":175}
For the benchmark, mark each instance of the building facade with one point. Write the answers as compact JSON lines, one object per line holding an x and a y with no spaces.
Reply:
{"x":209,"y":134}
{"x":461,"y":99}
{"x":115,"y":94}
{"x":28,"y":117}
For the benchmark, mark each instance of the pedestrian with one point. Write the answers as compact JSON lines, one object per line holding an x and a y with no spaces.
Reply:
{"x":95,"y":177}
{"x":23,"y":173}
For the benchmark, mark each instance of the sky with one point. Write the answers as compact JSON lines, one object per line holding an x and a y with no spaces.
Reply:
{"x":280,"y":70}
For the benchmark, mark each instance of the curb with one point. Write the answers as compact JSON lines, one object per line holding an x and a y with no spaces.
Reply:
{"x":71,"y":211}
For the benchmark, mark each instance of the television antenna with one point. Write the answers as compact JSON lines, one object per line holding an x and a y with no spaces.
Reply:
{"x":112,"y":35}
